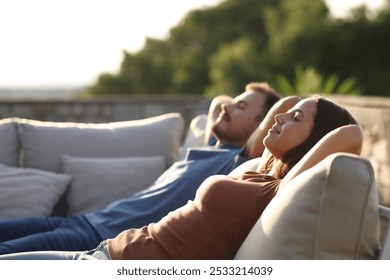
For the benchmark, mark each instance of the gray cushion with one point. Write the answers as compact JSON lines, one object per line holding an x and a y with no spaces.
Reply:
{"x":44,"y":143}
{"x":9,"y":143}
{"x":98,"y":181}
{"x":328,"y":212}
{"x":26,"y":192}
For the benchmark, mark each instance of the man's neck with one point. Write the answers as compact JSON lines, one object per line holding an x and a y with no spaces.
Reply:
{"x":220,"y":143}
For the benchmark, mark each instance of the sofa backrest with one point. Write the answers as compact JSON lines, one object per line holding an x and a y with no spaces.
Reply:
{"x":44,"y":143}
{"x":103,"y":162}
{"x":327,"y":212}
{"x":9,"y":142}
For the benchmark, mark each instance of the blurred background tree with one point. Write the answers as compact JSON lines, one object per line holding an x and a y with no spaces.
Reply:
{"x":293,"y":45}
{"x":308,"y":81}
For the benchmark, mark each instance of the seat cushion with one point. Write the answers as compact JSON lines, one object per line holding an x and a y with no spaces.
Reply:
{"x":328,"y":212}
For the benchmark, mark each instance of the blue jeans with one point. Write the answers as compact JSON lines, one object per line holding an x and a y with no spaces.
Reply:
{"x":99,"y":253}
{"x":47,"y":234}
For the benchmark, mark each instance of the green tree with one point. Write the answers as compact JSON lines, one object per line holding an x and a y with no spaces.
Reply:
{"x":220,"y":49}
{"x":189,"y":46}
{"x":293,"y":28}
{"x":359,"y":47}
{"x":232,"y":67}
{"x":203,"y":33}
{"x":147,"y":71}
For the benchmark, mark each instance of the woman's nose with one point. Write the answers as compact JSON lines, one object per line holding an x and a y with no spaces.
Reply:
{"x":279,"y":118}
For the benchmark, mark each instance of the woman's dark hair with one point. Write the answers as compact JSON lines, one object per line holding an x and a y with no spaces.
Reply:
{"x":329,"y":116}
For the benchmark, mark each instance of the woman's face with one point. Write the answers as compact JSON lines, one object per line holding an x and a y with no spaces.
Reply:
{"x":291,"y":128}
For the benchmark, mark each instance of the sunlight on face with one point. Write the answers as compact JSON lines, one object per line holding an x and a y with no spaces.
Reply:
{"x":238,"y":120}
{"x":291,"y":128}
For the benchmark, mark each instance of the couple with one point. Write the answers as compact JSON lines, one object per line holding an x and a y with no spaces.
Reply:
{"x":215,"y":223}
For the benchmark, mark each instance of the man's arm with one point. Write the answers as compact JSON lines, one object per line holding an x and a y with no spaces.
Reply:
{"x":348,"y":139}
{"x":214,"y":110}
{"x":255,"y":147}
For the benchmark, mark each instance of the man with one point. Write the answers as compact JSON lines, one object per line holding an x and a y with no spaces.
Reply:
{"x":232,"y":122}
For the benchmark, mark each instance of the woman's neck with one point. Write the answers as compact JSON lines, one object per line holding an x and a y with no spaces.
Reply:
{"x":275,"y":168}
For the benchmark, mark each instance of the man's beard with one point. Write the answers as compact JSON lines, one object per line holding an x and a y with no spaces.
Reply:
{"x":215,"y":129}
{"x":220,"y":133}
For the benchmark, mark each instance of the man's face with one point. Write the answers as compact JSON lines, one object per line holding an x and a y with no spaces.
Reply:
{"x":237,"y":120}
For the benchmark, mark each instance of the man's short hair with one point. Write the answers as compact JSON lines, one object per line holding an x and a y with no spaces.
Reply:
{"x":271,"y":97}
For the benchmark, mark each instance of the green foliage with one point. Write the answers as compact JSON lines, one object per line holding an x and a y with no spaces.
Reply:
{"x":204,"y":33}
{"x":308,"y":81}
{"x":359,"y":47}
{"x":291,"y":20}
{"x":106,"y":84}
{"x":232,"y":66}
{"x":222,"y":48}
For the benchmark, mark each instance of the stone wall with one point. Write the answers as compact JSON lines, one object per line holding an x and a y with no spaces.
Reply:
{"x":103,"y":109}
{"x":373,"y":114}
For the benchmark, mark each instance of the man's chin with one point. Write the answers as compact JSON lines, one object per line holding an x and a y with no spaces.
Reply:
{"x":218,"y":131}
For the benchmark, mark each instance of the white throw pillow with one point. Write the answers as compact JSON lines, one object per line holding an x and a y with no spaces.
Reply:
{"x":26,"y":192}
{"x":328,"y":212}
{"x":98,"y":181}
{"x":44,"y":143}
{"x":9,"y":142}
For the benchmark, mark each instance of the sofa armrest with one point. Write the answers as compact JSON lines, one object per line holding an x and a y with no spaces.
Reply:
{"x":385,"y":233}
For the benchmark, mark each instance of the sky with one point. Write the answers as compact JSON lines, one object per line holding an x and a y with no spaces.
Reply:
{"x":55,"y":43}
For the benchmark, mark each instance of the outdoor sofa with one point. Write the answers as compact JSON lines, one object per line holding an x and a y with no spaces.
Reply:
{"x":331,"y":211}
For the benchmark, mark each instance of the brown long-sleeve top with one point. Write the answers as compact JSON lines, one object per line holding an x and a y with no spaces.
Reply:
{"x":213,"y":226}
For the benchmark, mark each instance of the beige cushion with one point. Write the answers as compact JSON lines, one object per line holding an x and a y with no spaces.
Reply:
{"x":384,"y":214}
{"x":44,"y":143}
{"x":328,"y":212}
{"x":98,"y":181}
{"x":9,"y":143}
{"x":26,"y":192}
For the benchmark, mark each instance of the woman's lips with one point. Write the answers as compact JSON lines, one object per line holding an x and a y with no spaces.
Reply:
{"x":274,"y":129}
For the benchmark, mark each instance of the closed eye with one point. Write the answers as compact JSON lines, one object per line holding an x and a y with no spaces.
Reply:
{"x":241,"y":104}
{"x":297,"y":115}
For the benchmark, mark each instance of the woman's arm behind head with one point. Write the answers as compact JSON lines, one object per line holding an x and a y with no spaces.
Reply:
{"x":348,"y":139}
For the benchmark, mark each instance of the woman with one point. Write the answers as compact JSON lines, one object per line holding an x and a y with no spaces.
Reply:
{"x":215,"y":224}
